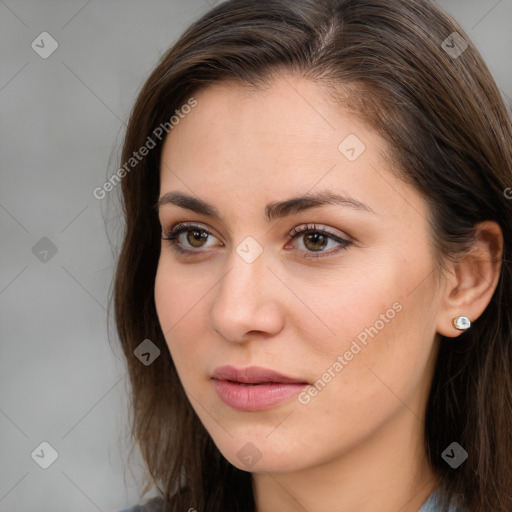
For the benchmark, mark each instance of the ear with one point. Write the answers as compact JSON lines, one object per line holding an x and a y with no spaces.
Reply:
{"x":472,"y":279}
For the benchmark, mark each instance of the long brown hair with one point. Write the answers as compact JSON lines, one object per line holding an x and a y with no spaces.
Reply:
{"x":450,"y":136}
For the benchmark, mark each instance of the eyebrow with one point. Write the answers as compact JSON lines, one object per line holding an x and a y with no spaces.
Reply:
{"x":273,"y":210}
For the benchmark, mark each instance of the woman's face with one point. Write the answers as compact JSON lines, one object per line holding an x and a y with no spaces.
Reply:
{"x":352,"y":312}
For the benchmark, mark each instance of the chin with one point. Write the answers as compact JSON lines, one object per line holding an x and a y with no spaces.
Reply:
{"x":261,"y":457}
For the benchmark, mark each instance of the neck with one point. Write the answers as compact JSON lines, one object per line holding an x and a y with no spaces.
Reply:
{"x":388,"y":472}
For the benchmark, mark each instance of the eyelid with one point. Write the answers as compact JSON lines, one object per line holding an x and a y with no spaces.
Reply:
{"x":189,"y":226}
{"x":172,"y":234}
{"x":305,"y":228}
{"x":344,"y":241}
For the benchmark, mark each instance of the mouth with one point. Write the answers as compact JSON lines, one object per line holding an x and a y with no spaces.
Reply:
{"x":250,"y":383}
{"x":254,"y":388}
{"x":253,"y":375}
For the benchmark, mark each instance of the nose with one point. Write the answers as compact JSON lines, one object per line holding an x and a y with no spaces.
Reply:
{"x":249,"y":301}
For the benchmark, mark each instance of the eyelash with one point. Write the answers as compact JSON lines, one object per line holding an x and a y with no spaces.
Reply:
{"x":172,"y":235}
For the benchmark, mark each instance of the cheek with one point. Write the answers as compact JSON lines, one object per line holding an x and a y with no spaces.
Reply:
{"x":359,"y":304}
{"x":178,"y":296}
{"x":179,"y":308}
{"x":378,"y":342}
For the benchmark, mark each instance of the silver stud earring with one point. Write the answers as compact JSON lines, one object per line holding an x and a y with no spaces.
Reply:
{"x":462,"y":323}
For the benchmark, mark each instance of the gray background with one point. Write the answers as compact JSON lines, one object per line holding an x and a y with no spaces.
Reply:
{"x":61,"y":125}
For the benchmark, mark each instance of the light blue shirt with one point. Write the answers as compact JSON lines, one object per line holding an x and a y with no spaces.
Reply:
{"x":431,"y":505}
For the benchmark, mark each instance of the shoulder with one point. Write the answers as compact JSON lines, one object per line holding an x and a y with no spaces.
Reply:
{"x":156,"y":503}
{"x":434,"y":504}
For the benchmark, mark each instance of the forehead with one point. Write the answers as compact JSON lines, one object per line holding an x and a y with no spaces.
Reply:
{"x":286,"y":107}
{"x":252,"y":147}
{"x":291,"y":125}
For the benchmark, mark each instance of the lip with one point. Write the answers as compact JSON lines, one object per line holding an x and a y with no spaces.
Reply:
{"x":253,"y":375}
{"x":254,"y":388}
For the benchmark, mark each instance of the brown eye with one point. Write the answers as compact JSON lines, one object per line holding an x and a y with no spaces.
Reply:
{"x":315,"y":241}
{"x":196,"y":237}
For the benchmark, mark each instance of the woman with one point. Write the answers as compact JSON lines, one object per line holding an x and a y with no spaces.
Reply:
{"x":313,"y":293}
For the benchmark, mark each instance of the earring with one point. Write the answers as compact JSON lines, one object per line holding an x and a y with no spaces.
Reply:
{"x":462,"y":323}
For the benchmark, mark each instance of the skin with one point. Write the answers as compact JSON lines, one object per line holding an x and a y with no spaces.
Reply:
{"x":358,"y":444}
